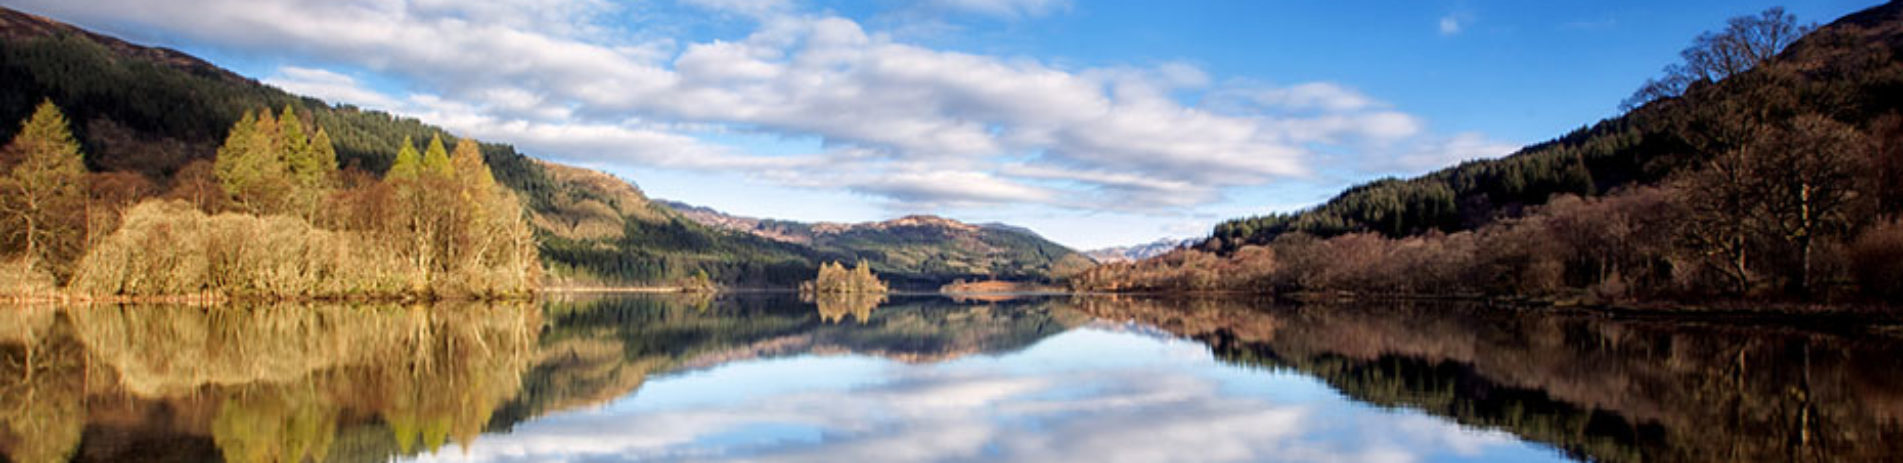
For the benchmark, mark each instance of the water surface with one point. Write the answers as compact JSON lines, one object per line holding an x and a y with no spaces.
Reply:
{"x":772,"y":378}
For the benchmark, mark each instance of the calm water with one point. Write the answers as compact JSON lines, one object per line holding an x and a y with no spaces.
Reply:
{"x":771,"y":378}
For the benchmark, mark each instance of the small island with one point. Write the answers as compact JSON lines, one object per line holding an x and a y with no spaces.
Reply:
{"x":835,"y":278}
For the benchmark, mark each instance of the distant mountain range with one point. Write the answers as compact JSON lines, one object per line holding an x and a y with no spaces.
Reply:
{"x":153,"y":111}
{"x":917,"y":244}
{"x":1139,"y":251}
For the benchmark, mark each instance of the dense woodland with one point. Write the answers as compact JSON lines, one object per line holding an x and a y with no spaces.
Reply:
{"x":1745,"y":171}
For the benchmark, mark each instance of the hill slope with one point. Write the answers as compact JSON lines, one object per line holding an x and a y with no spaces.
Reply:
{"x":154,"y":111}
{"x":1845,"y":71}
{"x":1780,"y":177}
{"x":924,"y":249}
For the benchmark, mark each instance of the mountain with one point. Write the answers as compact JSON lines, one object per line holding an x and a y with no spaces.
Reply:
{"x":1139,"y":251}
{"x":921,"y":248}
{"x":154,"y":111}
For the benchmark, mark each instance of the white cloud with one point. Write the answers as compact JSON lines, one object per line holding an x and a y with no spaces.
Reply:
{"x":1309,"y":96}
{"x":1452,"y":24}
{"x":1009,"y":9}
{"x":754,"y":8}
{"x":1466,"y":146}
{"x":924,"y":127}
{"x":330,"y":86}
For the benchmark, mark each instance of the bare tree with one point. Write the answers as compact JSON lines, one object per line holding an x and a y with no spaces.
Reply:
{"x":1745,"y":43}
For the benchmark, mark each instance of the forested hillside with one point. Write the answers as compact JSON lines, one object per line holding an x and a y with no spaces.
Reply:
{"x":1766,"y":163}
{"x":146,"y":115}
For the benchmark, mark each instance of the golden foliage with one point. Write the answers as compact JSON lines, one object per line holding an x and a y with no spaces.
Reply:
{"x":837,"y":279}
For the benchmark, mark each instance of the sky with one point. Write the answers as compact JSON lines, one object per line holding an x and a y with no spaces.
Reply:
{"x":1094,"y":123}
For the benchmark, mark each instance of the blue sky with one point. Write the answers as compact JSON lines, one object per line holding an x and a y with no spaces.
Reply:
{"x":1094,"y":123}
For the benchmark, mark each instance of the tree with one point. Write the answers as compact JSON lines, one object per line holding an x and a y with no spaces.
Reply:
{"x":45,"y":193}
{"x":408,"y":163}
{"x":323,"y":158}
{"x":469,"y":166}
{"x":436,"y":159}
{"x":1745,"y":43}
{"x":1806,"y":176}
{"x":251,"y":167}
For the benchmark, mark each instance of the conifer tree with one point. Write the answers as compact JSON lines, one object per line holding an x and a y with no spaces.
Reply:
{"x":471,"y":169}
{"x":323,"y":157}
{"x":408,"y":163}
{"x":297,"y":155}
{"x":436,"y":159}
{"x":45,"y":194}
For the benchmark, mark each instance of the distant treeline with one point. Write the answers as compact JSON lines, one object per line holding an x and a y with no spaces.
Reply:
{"x":1744,"y":171}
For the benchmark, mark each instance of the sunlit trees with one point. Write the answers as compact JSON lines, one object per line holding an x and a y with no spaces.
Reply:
{"x":43,"y":194}
{"x":269,"y":165}
{"x":835,"y":278}
{"x":433,"y":228}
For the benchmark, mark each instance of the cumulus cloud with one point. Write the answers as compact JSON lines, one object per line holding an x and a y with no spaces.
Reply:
{"x":923,"y":127}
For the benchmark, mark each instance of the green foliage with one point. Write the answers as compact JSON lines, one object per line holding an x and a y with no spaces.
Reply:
{"x":408,"y":164}
{"x":42,"y":208}
{"x":436,"y":158}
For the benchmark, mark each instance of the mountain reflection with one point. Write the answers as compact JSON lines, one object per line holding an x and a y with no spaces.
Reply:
{"x":376,"y":382}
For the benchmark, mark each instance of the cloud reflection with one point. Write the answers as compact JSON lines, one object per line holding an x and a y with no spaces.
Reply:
{"x":1149,"y":406}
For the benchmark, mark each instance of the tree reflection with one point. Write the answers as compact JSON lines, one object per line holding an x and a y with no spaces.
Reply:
{"x":274,"y":382}
{"x":1600,"y":388}
{"x":834,"y":307}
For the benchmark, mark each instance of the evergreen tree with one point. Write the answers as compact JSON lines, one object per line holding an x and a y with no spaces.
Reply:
{"x":45,"y":193}
{"x":408,"y":163}
{"x":436,"y":159}
{"x":322,"y":160}
{"x":297,"y":154}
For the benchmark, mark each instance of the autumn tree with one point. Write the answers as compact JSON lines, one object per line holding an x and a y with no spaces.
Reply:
{"x":835,"y":278}
{"x":45,"y":193}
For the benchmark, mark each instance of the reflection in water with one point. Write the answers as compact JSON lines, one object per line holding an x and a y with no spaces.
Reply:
{"x":1596,"y":387}
{"x":266,"y":383}
{"x":834,"y":307}
{"x":771,"y":377}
